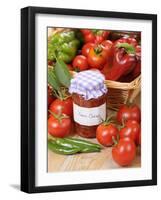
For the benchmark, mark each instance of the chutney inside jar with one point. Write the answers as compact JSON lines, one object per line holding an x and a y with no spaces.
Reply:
{"x":89,"y":102}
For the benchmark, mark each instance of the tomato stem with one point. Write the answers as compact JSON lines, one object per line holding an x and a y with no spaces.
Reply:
{"x":62,"y":94}
{"x":58,"y":116}
{"x":98,"y":49}
{"x":130,"y":103}
{"x":115,"y":141}
{"x":123,"y":124}
{"x":108,"y":120}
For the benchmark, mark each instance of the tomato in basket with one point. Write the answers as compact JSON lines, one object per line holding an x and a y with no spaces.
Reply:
{"x":97,"y":57}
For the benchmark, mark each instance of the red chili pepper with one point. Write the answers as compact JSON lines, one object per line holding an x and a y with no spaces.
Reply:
{"x":124,"y":61}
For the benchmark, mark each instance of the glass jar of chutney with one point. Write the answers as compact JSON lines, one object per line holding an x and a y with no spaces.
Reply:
{"x":89,"y":94}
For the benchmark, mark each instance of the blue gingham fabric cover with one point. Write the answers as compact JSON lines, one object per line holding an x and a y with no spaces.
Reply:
{"x":89,"y":84}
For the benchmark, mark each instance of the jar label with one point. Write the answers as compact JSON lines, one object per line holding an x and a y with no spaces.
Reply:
{"x":89,"y":116}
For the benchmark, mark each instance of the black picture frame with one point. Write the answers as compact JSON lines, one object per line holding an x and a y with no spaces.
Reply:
{"x":28,"y":98}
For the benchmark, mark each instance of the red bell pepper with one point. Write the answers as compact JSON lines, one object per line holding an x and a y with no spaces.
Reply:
{"x":138,"y":52}
{"x":137,"y":70}
{"x":124,"y":59}
{"x":128,"y":40}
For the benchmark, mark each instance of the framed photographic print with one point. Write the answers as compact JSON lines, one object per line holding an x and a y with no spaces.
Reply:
{"x":88,"y":99}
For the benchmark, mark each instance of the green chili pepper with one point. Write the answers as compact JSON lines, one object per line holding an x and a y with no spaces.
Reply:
{"x":69,"y":146}
{"x":83,"y":143}
{"x":60,"y":149}
{"x":62,"y":142}
{"x":90,"y":150}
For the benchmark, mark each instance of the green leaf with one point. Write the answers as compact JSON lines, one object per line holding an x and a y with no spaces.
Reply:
{"x":52,"y":80}
{"x":62,"y":73}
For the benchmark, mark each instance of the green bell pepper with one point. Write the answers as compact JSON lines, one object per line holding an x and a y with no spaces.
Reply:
{"x":64,"y":46}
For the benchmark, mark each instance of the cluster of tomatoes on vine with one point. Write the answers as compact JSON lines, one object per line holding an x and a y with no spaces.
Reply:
{"x":95,"y":51}
{"x":123,"y":138}
{"x":60,"y":116}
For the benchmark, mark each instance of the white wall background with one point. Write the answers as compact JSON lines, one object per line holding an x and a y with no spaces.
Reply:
{"x":10,"y":98}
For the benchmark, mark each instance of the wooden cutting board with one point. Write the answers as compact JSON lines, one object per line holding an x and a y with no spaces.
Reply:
{"x":87,"y":161}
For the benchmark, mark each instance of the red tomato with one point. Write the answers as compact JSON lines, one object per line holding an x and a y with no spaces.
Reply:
{"x":62,"y":106}
{"x":124,"y":152}
{"x":80,"y":63}
{"x":129,"y":112}
{"x":50,"y":99}
{"x":59,"y":127}
{"x":85,"y":31}
{"x":99,"y":39}
{"x":105,"y":34}
{"x":97,"y":57}
{"x":106,"y":134}
{"x":86,"y":48}
{"x":89,"y":38}
{"x":96,"y":36}
{"x":131,"y":130}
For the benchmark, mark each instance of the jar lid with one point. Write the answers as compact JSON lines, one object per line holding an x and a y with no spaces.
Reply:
{"x":90,"y":84}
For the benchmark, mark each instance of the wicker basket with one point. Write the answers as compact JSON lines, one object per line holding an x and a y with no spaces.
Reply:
{"x":118,"y":92}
